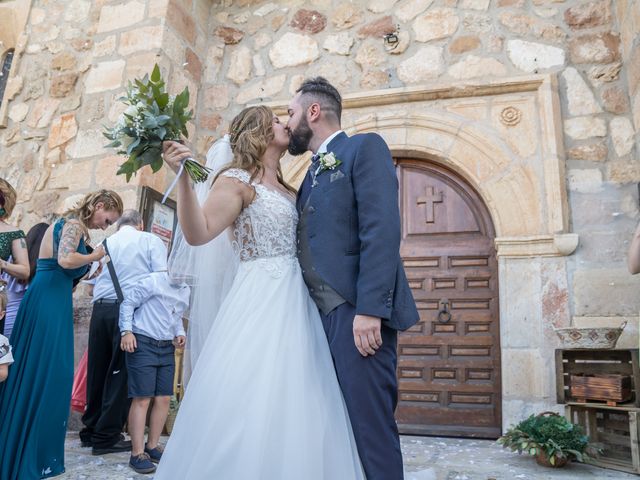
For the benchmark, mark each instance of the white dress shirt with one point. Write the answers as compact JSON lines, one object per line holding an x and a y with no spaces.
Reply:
{"x":153,"y":307}
{"x":323,"y":147}
{"x":134,"y":254}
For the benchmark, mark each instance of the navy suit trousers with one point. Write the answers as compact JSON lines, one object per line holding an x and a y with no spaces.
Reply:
{"x":370,"y":389}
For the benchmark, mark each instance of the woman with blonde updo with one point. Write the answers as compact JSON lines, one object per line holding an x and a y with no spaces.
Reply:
{"x":263,"y":400}
{"x":34,"y":402}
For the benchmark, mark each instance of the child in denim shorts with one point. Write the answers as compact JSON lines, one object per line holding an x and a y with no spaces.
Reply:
{"x":150,"y":328}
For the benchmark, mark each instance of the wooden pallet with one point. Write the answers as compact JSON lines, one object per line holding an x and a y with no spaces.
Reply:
{"x":596,"y":362}
{"x":613,"y":429}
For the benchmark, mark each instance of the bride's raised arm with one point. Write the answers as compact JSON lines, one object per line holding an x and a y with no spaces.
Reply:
{"x":222,"y":206}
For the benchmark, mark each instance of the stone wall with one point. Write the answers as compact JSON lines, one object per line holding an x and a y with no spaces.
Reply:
{"x":260,"y":51}
{"x":71,"y":64}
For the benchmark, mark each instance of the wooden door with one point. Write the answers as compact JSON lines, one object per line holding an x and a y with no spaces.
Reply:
{"x":449,"y":363}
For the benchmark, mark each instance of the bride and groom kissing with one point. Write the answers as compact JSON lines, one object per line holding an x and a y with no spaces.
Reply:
{"x":296,"y":378}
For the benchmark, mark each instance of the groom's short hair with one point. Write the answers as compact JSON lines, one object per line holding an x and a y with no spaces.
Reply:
{"x":318,"y":89}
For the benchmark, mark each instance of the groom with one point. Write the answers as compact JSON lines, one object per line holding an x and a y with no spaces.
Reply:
{"x":348,"y":248}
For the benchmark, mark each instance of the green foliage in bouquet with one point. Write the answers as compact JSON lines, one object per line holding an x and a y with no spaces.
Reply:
{"x":151,"y":117}
{"x":550,"y":434}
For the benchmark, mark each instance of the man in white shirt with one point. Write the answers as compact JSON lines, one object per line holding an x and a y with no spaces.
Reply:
{"x":133,"y":254}
{"x":151,"y":328}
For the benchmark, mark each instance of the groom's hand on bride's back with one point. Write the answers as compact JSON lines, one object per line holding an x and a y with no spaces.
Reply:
{"x":366,"y":334}
{"x":174,"y":153}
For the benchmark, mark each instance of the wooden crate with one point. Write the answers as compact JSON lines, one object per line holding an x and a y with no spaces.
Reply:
{"x":612,"y":389}
{"x":596,"y":362}
{"x":615,"y":430}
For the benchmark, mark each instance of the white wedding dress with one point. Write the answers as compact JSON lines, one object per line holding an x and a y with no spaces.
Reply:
{"x":263,"y":401}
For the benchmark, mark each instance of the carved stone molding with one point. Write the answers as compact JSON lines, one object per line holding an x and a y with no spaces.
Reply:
{"x":510,"y":116}
{"x":559,"y":245}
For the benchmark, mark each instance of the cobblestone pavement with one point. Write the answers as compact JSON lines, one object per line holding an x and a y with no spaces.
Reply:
{"x":425,"y":458}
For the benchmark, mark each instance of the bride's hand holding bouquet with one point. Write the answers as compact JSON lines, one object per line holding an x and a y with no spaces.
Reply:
{"x":152,"y":118}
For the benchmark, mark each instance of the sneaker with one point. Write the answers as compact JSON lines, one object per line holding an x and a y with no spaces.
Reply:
{"x":155,"y":454}
{"x":142,"y":463}
{"x":119,"y":446}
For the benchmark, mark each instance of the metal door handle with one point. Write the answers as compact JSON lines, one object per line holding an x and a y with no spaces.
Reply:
{"x":444,"y":314}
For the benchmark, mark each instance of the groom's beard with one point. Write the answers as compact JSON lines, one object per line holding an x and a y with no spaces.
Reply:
{"x":300,"y":138}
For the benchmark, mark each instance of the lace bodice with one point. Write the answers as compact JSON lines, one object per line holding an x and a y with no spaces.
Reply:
{"x":267,"y":227}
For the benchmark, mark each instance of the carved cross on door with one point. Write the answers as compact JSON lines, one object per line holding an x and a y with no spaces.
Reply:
{"x":429,"y":200}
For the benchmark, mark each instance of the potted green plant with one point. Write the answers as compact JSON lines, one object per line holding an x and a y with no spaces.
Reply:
{"x":551,"y":438}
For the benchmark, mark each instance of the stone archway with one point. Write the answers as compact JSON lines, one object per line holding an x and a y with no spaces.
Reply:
{"x":504,"y":139}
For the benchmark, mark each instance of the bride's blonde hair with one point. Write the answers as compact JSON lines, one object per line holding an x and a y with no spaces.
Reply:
{"x":250,"y":133}
{"x":84,"y":210}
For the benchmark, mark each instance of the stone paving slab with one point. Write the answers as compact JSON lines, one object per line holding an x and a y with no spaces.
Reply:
{"x":425,"y":458}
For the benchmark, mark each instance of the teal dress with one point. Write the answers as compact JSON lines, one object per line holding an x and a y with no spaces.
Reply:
{"x":35,"y":399}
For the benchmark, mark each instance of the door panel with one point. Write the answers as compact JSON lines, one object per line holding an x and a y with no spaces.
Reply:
{"x":448,"y":363}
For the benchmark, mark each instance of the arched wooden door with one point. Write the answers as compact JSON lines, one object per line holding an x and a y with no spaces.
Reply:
{"x":449,"y":363}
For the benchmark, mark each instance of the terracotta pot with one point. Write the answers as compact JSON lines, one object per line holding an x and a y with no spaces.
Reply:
{"x":543,"y":459}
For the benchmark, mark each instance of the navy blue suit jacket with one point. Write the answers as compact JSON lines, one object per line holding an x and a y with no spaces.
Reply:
{"x":354,"y":229}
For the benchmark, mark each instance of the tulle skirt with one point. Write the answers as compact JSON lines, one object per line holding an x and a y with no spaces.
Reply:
{"x":263,"y":402}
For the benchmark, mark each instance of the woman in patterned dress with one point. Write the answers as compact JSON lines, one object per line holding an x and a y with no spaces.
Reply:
{"x":14,"y":260}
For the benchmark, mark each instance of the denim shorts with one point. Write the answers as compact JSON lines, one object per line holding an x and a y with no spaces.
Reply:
{"x":151,"y":368}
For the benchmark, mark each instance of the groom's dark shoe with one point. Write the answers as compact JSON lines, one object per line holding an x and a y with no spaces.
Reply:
{"x":142,"y":463}
{"x":119,"y":446}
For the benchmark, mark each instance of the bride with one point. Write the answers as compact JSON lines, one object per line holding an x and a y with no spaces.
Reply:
{"x":263,"y":400}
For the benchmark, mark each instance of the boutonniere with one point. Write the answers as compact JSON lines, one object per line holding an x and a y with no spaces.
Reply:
{"x":328,"y":161}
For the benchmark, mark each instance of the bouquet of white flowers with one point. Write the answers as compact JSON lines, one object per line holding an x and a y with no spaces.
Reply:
{"x":151,"y":117}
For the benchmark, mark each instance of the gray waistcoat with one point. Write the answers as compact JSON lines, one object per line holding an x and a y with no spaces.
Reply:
{"x":326,"y":298}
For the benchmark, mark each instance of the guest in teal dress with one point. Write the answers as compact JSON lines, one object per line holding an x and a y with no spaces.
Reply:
{"x":14,"y":261}
{"x":34,"y":401}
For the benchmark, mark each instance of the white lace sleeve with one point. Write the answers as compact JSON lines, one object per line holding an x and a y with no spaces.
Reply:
{"x":238,"y":174}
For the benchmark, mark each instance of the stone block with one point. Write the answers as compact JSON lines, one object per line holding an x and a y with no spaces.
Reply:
{"x":63,"y":129}
{"x":624,"y":171}
{"x":63,"y":61}
{"x":378,"y":28}
{"x":615,"y":100}
{"x":18,"y":112}
{"x":520,"y":303}
{"x":435,"y":24}
{"x":119,"y":16}
{"x":595,"y":48}
{"x":588,"y":15}
{"x":216,"y":97}
{"x":339,"y":44}
{"x":345,"y":16}
{"x":42,"y":112}
{"x":88,"y":143}
{"x":426,"y":64}
{"x":532,"y":57}
{"x":622,"y":135}
{"x":267,"y":88}
{"x":523,"y":375}
{"x":105,"y":76}
{"x":229,"y":35}
{"x":463,"y":44}
{"x":293,"y":49}
{"x":140,"y":39}
{"x":240,"y":65}
{"x":180,"y":20}
{"x":106,"y":169}
{"x":380,"y":6}
{"x":585,"y":180}
{"x":193,"y":65}
{"x":411,"y":9}
{"x":581,"y":128}
{"x":605,"y":292}
{"x":473,"y":66}
{"x":209,"y":121}
{"x":372,"y":79}
{"x":309,"y":21}
{"x":580,"y":98}
{"x":593,"y":152}
{"x":370,"y":54}
{"x":62,"y":84}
